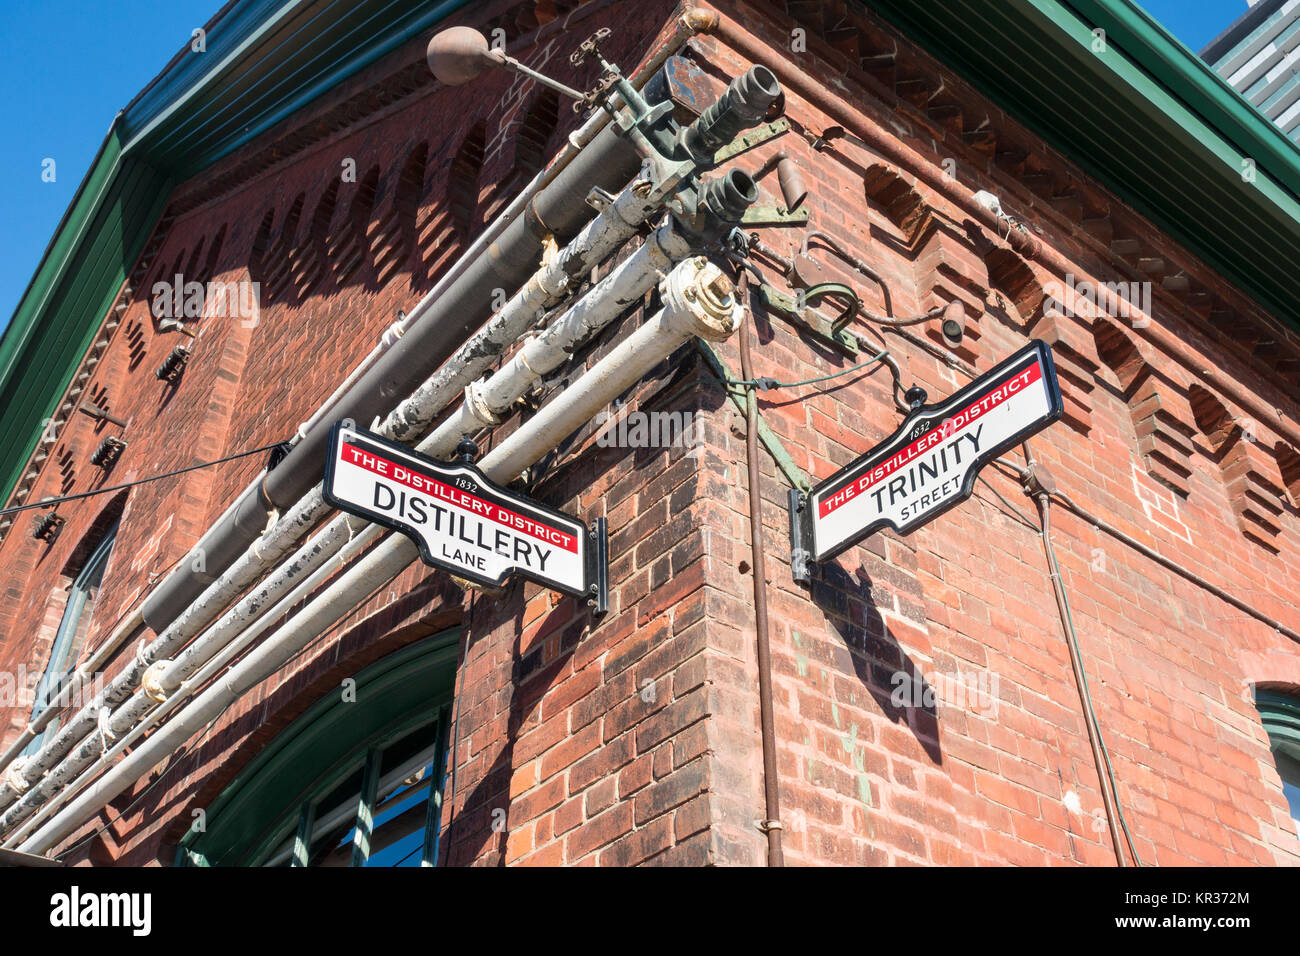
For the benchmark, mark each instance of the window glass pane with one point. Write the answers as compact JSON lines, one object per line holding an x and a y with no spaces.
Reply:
{"x":402,"y":799}
{"x":398,"y":838}
{"x":407,"y":769}
{"x":69,"y":638}
{"x":1292,"y":792}
{"x":1288,"y":768}
{"x":336,"y":817}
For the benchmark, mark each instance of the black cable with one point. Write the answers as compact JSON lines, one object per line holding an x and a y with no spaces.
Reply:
{"x":51,"y":502}
{"x":767,"y":384}
{"x":1023,"y":518}
{"x":1071,"y":635}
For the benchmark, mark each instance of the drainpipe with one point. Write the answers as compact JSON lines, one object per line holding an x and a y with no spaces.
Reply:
{"x":1039,"y":485}
{"x":697,"y":299}
{"x":771,"y":824}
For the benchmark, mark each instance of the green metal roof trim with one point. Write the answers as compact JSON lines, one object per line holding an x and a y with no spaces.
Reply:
{"x":94,"y":248}
{"x":1146,"y":118}
{"x":264,"y":60}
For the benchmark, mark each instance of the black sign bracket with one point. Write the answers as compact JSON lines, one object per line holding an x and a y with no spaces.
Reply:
{"x":598,"y":568}
{"x":801,"y":564}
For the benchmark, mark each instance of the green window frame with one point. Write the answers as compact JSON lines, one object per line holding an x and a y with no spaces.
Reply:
{"x":1280,"y":714}
{"x":353,"y":774}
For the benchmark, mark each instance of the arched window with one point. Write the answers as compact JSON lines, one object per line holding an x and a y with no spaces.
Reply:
{"x":357,"y":780}
{"x":54,"y":689}
{"x":1280,"y":713}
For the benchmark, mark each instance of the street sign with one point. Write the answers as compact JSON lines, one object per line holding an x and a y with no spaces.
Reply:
{"x":930,"y":463}
{"x":460,"y":521}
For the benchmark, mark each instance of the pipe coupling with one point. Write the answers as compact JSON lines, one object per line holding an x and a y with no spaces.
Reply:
{"x":701,"y":300}
{"x":699,"y":20}
{"x":151,"y":684}
{"x":477,"y":405}
{"x":17,"y":782}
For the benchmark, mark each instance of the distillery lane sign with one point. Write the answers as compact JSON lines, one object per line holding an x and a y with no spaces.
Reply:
{"x":460,"y":521}
{"x":930,"y":464}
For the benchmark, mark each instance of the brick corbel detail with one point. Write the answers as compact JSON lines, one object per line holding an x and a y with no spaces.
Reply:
{"x":1162,"y":419}
{"x":1255,"y":488}
{"x":1074,"y":351}
{"x":1162,"y":416}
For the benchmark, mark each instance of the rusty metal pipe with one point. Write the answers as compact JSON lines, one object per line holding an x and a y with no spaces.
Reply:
{"x":771,"y":824}
{"x":1108,"y":799}
{"x":788,"y":178}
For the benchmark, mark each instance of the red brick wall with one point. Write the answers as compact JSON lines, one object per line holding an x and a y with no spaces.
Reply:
{"x":635,"y":739}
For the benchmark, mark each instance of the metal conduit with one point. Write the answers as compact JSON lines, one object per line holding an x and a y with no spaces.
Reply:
{"x":597,"y":240}
{"x":709,"y":311}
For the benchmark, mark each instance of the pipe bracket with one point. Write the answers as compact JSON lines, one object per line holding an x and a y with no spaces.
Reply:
{"x":151,"y":683}
{"x":15,"y":779}
{"x":104,"y":721}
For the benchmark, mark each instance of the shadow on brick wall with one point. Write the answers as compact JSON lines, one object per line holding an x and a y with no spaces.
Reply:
{"x":893,"y":679}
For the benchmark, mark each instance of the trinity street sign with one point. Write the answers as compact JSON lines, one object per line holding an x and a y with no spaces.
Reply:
{"x":460,"y":521}
{"x":930,"y":464}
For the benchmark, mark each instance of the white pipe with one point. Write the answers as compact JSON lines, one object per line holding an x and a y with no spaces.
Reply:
{"x":85,"y":672}
{"x":572,"y":146}
{"x":197,"y":678}
{"x":697,"y":301}
{"x":596,"y":241}
{"x":488,"y":399}
{"x":18,"y":778}
{"x":224,"y":585}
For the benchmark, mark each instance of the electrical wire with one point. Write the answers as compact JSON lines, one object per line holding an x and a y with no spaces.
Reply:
{"x":1085,"y":693}
{"x":51,"y":502}
{"x":768,"y":384}
{"x":1016,"y":513}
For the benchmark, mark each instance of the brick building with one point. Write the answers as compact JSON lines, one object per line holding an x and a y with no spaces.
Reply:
{"x":1066,"y":173}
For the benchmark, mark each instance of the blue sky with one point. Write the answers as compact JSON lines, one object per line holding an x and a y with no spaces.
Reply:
{"x":1195,"y":22}
{"x":67,"y":67}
